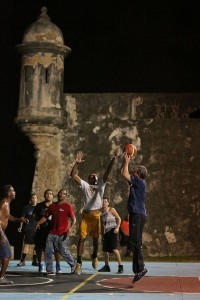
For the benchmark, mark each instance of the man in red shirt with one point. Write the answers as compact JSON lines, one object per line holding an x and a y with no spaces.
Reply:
{"x":63,"y":220}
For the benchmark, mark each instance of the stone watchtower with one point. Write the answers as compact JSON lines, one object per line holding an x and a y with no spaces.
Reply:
{"x":40,"y":112}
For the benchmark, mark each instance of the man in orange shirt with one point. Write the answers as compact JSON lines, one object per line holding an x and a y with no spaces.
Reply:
{"x":124,"y":235}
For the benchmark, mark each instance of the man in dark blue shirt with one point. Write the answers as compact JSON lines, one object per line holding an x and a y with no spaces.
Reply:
{"x":137,"y":213}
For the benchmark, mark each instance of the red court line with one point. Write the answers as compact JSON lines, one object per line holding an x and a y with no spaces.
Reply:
{"x":159,"y":284}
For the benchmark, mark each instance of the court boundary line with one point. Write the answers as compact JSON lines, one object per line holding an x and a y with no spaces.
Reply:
{"x":79,"y":286}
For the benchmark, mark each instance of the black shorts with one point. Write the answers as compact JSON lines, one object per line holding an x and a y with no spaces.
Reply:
{"x":110,"y":241}
{"x":29,"y":237}
{"x":40,"y":239}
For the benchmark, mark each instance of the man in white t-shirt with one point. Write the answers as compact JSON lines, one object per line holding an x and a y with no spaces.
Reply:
{"x":93,"y":194}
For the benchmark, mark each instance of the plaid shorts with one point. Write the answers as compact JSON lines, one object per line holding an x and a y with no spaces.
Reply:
{"x":5,"y":251}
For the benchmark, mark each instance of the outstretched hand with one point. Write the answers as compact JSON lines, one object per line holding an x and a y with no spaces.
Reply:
{"x":127,"y":157}
{"x":79,"y":157}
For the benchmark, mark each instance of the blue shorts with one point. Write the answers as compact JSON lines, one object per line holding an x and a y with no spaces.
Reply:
{"x":5,"y":251}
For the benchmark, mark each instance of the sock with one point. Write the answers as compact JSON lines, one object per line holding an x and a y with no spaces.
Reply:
{"x":58,"y":268}
{"x":94,"y":255}
{"x":35,"y":258}
{"x":23,"y":257}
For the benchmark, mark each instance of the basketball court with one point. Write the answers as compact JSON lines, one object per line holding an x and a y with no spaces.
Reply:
{"x":164,"y":281}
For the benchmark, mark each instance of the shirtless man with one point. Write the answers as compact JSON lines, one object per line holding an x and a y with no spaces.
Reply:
{"x":7,"y":195}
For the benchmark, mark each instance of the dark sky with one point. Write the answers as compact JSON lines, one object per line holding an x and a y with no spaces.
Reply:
{"x":117,"y":45}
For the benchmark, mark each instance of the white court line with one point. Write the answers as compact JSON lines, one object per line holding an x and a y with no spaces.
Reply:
{"x":47,"y":280}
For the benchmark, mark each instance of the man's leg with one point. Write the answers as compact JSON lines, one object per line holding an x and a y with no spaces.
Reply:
{"x":135,"y":242}
{"x":80,"y":250}
{"x":57,"y":258}
{"x":78,"y":269}
{"x":65,"y":252}
{"x":4,"y":266}
{"x":95,"y":251}
{"x":7,"y":254}
{"x":95,"y":246}
{"x":35,"y":260}
{"x":141,"y":223}
{"x":137,"y":223}
{"x":49,"y":253}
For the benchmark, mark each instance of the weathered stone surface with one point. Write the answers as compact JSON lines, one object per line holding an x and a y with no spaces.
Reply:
{"x":168,"y":145}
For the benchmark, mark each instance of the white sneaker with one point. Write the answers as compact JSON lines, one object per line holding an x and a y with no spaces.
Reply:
{"x":95,"y":263}
{"x":4,"y":281}
{"x":78,"y":269}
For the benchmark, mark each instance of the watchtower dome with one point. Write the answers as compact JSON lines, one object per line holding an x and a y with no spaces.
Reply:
{"x":42,"y":69}
{"x":40,"y":111}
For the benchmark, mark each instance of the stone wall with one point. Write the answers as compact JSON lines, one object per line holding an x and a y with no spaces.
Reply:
{"x":167,"y":141}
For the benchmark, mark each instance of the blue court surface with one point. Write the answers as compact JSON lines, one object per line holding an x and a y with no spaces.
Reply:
{"x":164,"y":281}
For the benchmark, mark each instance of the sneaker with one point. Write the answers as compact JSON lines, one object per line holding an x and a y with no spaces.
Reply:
{"x":4,"y":281}
{"x":95,"y":263}
{"x":139,"y":275}
{"x":120,"y":269}
{"x":105,"y":268}
{"x":78,"y":269}
{"x":35,"y":263}
{"x":73,"y":269}
{"x":58,"y":269}
{"x":41,"y":268}
{"x":21,"y":264}
{"x":51,"y":273}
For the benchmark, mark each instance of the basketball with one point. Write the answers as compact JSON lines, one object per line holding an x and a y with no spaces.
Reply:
{"x":130,"y":149}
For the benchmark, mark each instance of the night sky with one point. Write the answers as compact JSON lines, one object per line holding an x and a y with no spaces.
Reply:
{"x":117,"y":46}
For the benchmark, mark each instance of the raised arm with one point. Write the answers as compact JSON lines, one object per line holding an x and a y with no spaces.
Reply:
{"x":124,"y":169}
{"x":109,"y":168}
{"x":74,"y":171}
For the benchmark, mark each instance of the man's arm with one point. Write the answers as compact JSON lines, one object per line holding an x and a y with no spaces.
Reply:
{"x":72,"y":223}
{"x":109,"y":168}
{"x":40,"y":222}
{"x":117,"y":217}
{"x":20,"y":227}
{"x":21,"y":223}
{"x":124,"y":169}
{"x":15,"y":219}
{"x":74,"y":171}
